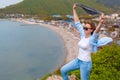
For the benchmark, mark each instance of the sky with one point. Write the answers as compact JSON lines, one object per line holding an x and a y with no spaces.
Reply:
{"x":4,"y":3}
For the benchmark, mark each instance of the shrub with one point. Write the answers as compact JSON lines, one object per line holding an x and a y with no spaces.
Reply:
{"x":106,"y":63}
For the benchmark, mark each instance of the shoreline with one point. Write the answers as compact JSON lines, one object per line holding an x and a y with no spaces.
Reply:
{"x":70,"y":41}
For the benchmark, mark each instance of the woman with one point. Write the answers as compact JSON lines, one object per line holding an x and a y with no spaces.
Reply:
{"x":88,"y":44}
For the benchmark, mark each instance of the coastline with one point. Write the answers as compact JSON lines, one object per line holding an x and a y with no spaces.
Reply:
{"x":70,"y":41}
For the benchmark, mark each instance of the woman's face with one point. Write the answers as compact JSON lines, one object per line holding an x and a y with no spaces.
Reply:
{"x":87,"y":29}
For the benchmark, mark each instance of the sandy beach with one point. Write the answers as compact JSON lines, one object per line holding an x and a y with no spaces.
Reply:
{"x":70,"y":41}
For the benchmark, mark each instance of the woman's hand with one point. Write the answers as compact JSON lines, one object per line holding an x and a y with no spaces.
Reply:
{"x":74,"y":6}
{"x":102,"y":18}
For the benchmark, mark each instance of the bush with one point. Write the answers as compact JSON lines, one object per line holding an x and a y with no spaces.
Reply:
{"x":106,"y":63}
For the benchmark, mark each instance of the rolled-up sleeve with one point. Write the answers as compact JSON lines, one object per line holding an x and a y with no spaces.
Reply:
{"x":79,"y":26}
{"x":104,"y":40}
{"x":95,"y":42}
{"x":94,"y":39}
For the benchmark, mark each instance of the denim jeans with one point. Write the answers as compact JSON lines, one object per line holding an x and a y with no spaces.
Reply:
{"x":84,"y":66}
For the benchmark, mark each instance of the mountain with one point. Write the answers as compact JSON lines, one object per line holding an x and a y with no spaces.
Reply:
{"x":49,"y":7}
{"x":113,"y":3}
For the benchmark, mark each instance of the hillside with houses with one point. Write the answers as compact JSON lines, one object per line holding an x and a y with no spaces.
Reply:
{"x":111,"y":26}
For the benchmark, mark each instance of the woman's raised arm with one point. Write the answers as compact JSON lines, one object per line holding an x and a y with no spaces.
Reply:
{"x":75,"y":15}
{"x":102,"y":19}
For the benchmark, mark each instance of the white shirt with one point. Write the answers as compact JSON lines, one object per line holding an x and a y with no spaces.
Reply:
{"x":85,"y":49}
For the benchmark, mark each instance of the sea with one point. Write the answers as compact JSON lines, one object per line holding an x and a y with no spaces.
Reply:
{"x":28,"y":52}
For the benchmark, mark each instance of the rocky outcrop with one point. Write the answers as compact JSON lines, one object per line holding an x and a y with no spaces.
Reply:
{"x":57,"y":77}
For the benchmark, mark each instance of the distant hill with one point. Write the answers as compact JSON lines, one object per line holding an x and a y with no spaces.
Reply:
{"x":49,"y":7}
{"x":110,"y":3}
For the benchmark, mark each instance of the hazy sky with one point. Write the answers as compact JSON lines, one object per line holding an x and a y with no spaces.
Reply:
{"x":4,"y":3}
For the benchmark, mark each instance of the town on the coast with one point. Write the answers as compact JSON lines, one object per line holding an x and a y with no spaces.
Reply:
{"x":111,"y":27}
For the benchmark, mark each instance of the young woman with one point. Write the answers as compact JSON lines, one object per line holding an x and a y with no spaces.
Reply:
{"x":87,"y":44}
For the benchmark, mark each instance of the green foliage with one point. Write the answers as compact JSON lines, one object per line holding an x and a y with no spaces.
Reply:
{"x":65,"y":18}
{"x":106,"y":64}
{"x":2,"y":15}
{"x":48,"y":18}
{"x":76,"y":73}
{"x":86,"y":17}
{"x":57,"y":71}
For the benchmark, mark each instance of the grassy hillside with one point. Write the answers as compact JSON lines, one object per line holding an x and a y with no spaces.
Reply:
{"x":48,"y":7}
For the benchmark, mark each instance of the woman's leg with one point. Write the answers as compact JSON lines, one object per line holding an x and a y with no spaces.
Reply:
{"x":73,"y":65}
{"x":85,"y":68}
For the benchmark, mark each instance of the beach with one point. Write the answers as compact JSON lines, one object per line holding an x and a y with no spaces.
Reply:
{"x":70,"y":41}
{"x":70,"y":44}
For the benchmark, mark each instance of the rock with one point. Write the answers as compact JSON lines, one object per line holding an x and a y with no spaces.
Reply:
{"x":57,"y":77}
{"x":72,"y":77}
{"x":54,"y":77}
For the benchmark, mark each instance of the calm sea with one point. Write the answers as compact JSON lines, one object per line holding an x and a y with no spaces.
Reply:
{"x":28,"y":51}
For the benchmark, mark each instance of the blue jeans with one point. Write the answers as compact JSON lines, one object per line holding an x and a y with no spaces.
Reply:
{"x":85,"y":68}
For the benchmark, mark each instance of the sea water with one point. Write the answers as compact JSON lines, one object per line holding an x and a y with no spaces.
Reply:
{"x":28,"y":51}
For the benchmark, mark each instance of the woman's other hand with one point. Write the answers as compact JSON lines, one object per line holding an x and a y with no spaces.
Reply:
{"x":102,"y":18}
{"x":74,"y":6}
